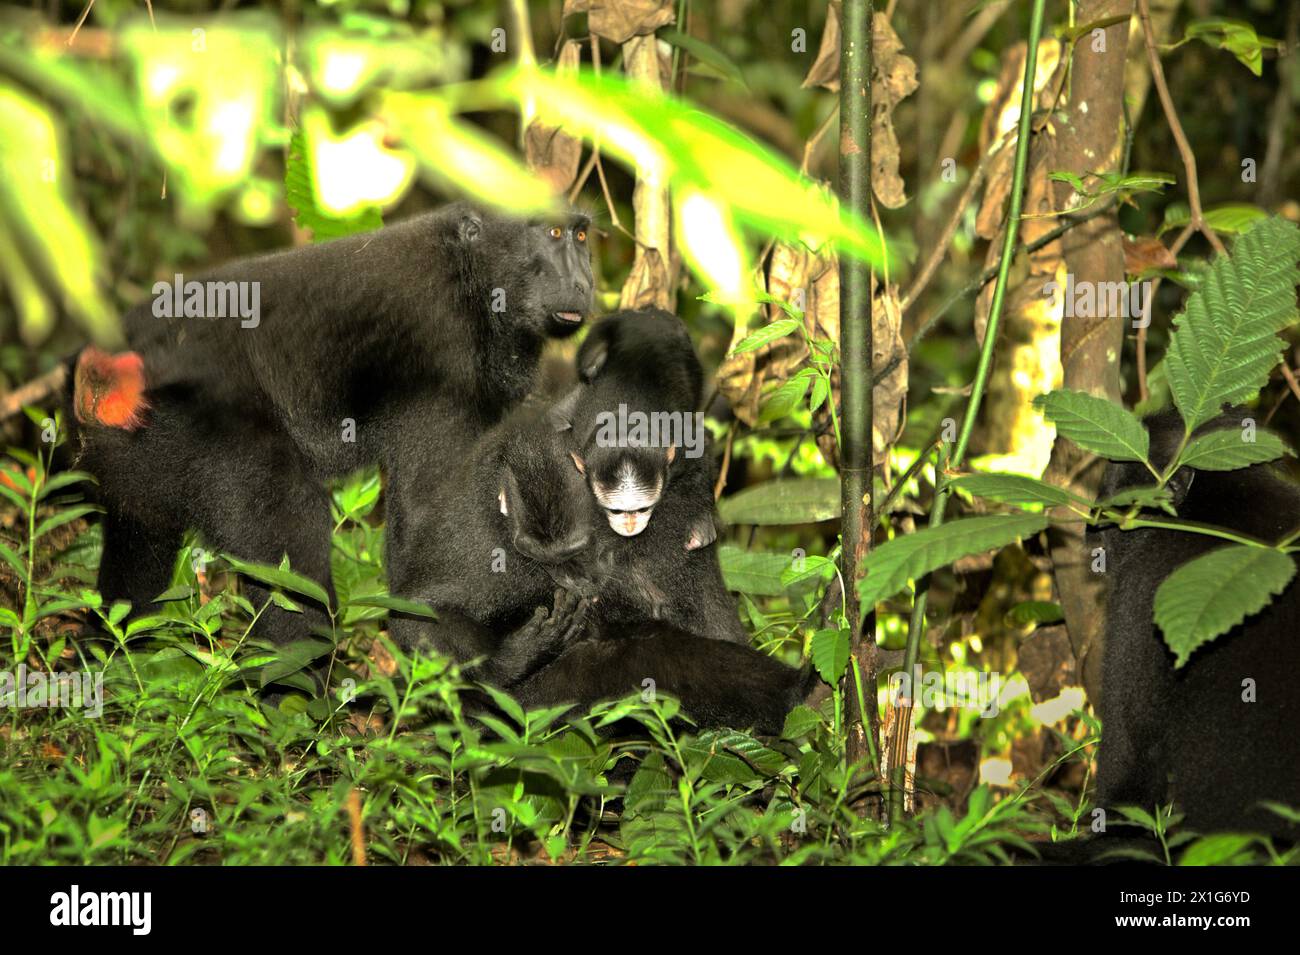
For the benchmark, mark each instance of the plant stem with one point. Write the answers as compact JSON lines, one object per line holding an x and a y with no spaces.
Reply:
{"x":856,"y":414}
{"x":954,"y":458}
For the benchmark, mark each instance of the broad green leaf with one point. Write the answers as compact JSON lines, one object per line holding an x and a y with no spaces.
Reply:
{"x":1220,"y":848}
{"x":691,"y":149}
{"x":279,"y":577}
{"x":830,"y":653}
{"x":459,"y":157}
{"x":1231,"y":218}
{"x":300,"y":195}
{"x":1227,"y":450}
{"x":787,"y":397}
{"x":768,"y":333}
{"x":1018,"y":489}
{"x":1096,"y":425}
{"x":38,"y":211}
{"x":1236,"y":36}
{"x":753,"y":572}
{"x":66,"y":516}
{"x":704,"y":52}
{"x":400,"y":604}
{"x":795,"y":501}
{"x":891,"y":565}
{"x":1210,"y":595}
{"x":293,"y":658}
{"x":1225,"y":343}
{"x":799,"y":721}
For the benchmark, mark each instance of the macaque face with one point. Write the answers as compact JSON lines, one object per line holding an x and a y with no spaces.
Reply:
{"x":627,"y":485}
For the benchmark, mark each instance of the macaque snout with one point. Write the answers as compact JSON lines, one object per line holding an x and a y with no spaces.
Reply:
{"x":629,"y":523}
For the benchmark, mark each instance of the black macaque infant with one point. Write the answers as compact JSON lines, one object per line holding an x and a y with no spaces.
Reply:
{"x":1221,"y":733}
{"x":655,"y":555}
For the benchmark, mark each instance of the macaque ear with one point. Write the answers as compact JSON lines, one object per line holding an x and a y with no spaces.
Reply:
{"x":578,"y":463}
{"x":501,"y":502}
{"x":469,"y":228}
{"x":671,"y":453}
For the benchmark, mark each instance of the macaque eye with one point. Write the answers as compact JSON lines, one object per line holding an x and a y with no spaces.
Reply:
{"x":556,"y":232}
{"x":581,"y":235}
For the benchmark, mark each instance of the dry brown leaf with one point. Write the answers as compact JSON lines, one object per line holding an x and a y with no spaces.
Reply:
{"x":381,"y":658}
{"x":550,"y":152}
{"x":620,"y":20}
{"x":893,"y":78}
{"x":1146,"y":253}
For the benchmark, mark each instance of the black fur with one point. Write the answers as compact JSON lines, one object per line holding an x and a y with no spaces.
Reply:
{"x":487,"y":572}
{"x":718,"y":683}
{"x":1186,"y":734}
{"x":645,"y":362}
{"x":394,"y":330}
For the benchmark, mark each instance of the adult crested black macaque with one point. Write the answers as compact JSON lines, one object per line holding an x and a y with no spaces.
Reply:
{"x":1219,"y":734}
{"x":718,"y":683}
{"x":491,"y":541}
{"x":638,"y":441}
{"x":386,"y":346}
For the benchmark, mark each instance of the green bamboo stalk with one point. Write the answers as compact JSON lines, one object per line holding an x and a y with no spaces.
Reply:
{"x":855,"y":373}
{"x":954,"y":458}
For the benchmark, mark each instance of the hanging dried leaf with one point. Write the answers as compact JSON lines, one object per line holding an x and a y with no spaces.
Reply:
{"x":620,"y":20}
{"x":550,"y":152}
{"x":893,"y":77}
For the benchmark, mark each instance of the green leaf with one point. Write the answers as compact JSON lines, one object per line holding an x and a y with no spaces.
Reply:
{"x":890,"y":566}
{"x":796,"y":501}
{"x":800,"y":721}
{"x":1231,"y":218}
{"x":768,"y":333}
{"x":753,"y":572}
{"x":1210,"y":595}
{"x":1221,"y":848}
{"x":399,"y":604}
{"x":1017,"y":489}
{"x":63,"y":517}
{"x":1236,"y":36}
{"x":1227,"y":450}
{"x":279,"y":577}
{"x":830,"y":653}
{"x":1096,"y":425}
{"x":292,"y":658}
{"x":787,"y":397}
{"x":1035,"y":612}
{"x":299,"y":195}
{"x":1225,"y":343}
{"x":704,"y":52}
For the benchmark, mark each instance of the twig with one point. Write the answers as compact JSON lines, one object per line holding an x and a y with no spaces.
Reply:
{"x":1176,"y":127}
{"x":35,"y":390}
